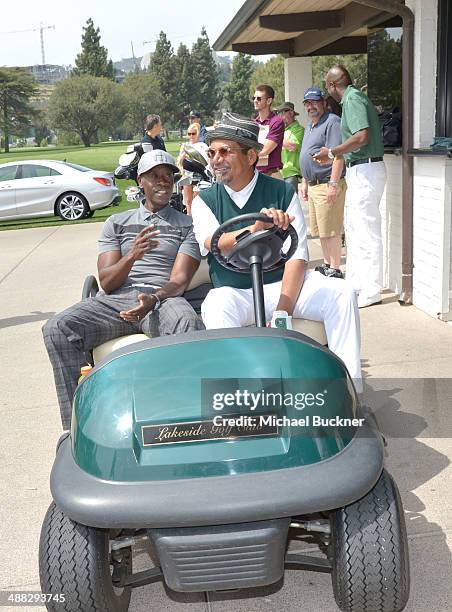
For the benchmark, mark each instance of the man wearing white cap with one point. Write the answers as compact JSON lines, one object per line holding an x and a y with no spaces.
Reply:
{"x":147,"y":258}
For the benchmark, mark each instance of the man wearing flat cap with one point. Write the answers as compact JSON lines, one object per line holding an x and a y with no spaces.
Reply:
{"x":147,"y":258}
{"x":233,"y":151}
{"x":293,"y":136}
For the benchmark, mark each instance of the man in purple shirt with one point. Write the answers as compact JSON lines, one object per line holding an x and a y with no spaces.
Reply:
{"x":271,"y":131}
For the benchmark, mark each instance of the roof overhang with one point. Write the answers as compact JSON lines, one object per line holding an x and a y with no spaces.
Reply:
{"x":302,"y":27}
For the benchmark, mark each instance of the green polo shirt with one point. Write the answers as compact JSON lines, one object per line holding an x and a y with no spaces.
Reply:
{"x":358,"y":113}
{"x":291,"y":159}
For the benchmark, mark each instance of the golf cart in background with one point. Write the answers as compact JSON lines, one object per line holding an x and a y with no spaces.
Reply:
{"x":145,"y":461}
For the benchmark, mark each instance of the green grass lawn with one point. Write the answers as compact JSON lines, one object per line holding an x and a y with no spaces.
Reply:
{"x":99,"y":157}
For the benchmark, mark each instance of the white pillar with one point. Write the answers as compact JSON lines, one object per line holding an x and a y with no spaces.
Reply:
{"x":297,"y":78}
{"x":425,"y":68}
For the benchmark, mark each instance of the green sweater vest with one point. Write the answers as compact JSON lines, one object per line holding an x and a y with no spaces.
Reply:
{"x":267,"y":193}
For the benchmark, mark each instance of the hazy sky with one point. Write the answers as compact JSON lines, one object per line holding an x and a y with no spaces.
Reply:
{"x":119,"y":22}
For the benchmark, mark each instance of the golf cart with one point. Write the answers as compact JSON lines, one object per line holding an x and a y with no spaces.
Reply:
{"x":147,"y":458}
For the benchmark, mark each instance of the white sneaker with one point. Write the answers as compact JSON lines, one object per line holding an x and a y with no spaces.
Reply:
{"x":364,"y":301}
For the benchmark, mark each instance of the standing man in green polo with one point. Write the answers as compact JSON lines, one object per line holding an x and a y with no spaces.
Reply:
{"x":293,"y":136}
{"x":362,"y":148}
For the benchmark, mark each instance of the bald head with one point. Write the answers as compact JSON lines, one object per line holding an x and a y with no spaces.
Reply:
{"x":337,"y":81}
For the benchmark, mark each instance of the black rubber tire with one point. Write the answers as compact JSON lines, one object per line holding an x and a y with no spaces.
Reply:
{"x":72,"y":206}
{"x":90,"y":287}
{"x":74,"y":560}
{"x":370,"y":552}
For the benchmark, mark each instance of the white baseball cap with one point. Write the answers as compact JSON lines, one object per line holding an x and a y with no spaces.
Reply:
{"x":154,"y":158}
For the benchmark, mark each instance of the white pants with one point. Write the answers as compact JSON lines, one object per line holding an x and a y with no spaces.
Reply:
{"x":362,"y":223}
{"x":321,"y":299}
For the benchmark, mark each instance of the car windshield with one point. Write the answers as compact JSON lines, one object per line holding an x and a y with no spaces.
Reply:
{"x":77,"y":167}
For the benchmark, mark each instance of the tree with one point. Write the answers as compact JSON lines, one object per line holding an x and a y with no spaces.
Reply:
{"x":355,"y":64}
{"x":185,"y":79}
{"x":84,"y":105}
{"x":385,"y":70}
{"x":93,"y":58}
{"x":41,"y":128}
{"x":271,"y":73}
{"x":17,"y":86}
{"x":163,"y":67}
{"x":206,"y":94}
{"x":143,"y":96}
{"x":237,"y":90}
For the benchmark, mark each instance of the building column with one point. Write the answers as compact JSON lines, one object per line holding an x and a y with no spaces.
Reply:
{"x":425,"y":60}
{"x":297,"y":78}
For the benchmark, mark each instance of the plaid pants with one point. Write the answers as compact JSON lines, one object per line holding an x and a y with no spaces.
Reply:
{"x":71,"y":334}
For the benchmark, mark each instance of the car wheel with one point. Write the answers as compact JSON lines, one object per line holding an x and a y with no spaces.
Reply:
{"x":74,"y":560}
{"x":72,"y":206}
{"x":370,"y":552}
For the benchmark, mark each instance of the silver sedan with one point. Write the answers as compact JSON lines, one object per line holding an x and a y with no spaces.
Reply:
{"x":40,"y":188}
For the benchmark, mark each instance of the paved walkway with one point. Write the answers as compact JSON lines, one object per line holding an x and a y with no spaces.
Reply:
{"x":407,"y":358}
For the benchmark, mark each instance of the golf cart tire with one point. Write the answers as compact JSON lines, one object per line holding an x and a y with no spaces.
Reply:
{"x":370,"y":552}
{"x":74,"y":560}
{"x":90,"y":287}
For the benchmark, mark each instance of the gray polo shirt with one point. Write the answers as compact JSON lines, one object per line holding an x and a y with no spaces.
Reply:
{"x":176,"y":236}
{"x":326,"y":133}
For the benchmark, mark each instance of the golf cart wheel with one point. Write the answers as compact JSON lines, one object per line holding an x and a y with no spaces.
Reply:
{"x":74,"y":560}
{"x":72,"y":206}
{"x":370,"y":552}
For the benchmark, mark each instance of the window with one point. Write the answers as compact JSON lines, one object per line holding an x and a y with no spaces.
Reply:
{"x":34,"y":170}
{"x":444,"y":76}
{"x":77,"y":167}
{"x":384,"y":66}
{"x":8,"y":173}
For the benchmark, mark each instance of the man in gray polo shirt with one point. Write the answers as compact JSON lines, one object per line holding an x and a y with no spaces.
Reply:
{"x":323,"y":186}
{"x":147,"y":258}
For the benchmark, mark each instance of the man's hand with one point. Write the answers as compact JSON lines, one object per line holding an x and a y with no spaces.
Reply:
{"x":144,"y":242}
{"x":322,"y":156}
{"x":277,"y":217}
{"x":331,"y":194}
{"x":146,"y":304}
{"x":289,"y":145}
{"x":304,"y":191}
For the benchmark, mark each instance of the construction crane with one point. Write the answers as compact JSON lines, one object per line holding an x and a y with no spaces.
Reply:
{"x":41,"y":31}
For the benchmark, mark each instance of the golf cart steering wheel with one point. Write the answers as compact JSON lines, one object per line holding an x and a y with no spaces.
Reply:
{"x":265,"y":244}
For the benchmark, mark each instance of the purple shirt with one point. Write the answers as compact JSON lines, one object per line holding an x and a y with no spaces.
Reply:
{"x":271,"y":128}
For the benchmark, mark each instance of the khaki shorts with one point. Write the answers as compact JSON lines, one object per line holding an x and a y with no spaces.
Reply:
{"x":326,"y":220}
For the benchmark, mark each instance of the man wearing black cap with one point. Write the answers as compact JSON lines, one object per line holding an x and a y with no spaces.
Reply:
{"x":147,"y":257}
{"x":233,"y":151}
{"x":195,"y":117}
{"x":290,"y":154}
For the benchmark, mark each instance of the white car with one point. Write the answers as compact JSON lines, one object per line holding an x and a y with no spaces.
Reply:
{"x":39,"y":188}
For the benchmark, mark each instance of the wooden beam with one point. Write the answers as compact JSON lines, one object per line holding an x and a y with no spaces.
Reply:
{"x":300,"y":22}
{"x":344,"y":46}
{"x":265,"y":48}
{"x":355,"y":16}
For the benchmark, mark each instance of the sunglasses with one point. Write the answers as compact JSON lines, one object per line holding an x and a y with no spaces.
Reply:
{"x":258,"y":98}
{"x":191,"y":133}
{"x":223,"y":151}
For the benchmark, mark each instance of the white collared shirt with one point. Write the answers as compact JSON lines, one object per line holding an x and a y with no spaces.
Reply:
{"x":205,"y":223}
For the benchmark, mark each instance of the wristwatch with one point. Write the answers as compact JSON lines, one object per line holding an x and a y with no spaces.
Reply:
{"x":330,"y":154}
{"x":158,"y":302}
{"x":333,"y":183}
